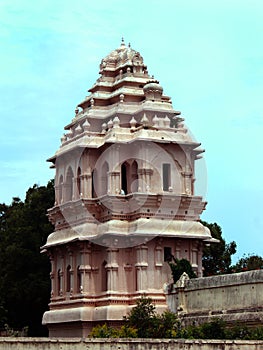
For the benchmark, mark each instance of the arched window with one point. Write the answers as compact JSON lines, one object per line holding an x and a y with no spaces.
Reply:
{"x":166,"y":176}
{"x":79,"y":182}
{"x":69,"y":185}
{"x":79,"y":287}
{"x":68,"y":279}
{"x":104,"y":277}
{"x":104,"y":178}
{"x":94,"y":183}
{"x":124,"y":173}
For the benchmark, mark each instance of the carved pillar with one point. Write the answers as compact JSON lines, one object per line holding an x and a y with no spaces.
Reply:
{"x":61,"y":283}
{"x":66,"y":192}
{"x":144,"y":168}
{"x":114,"y":184}
{"x":141,"y":267}
{"x":112,"y":269}
{"x":187,"y":175}
{"x":199,"y":259}
{"x":194,"y":253}
{"x":52,"y":274}
{"x":178,"y":249}
{"x":144,"y":176}
{"x":86,"y":185}
{"x":62,"y":274}
{"x":57,"y":194}
{"x":71,"y":271}
{"x":86,"y":175}
{"x":158,"y":265}
{"x":75,"y":194}
{"x":85,"y":268}
{"x":60,"y":193}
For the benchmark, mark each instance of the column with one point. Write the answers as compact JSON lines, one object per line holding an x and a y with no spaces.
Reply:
{"x":114,"y":184}
{"x":71,"y":272}
{"x":112,"y":269}
{"x":85,"y":267}
{"x":158,"y":265}
{"x":62,"y":274}
{"x":187,"y":174}
{"x":57,"y":199}
{"x":75,"y":194}
{"x":86,"y":185}
{"x":60,"y":191}
{"x":178,"y":249}
{"x":52,"y":274}
{"x":199,"y":259}
{"x":141,"y":267}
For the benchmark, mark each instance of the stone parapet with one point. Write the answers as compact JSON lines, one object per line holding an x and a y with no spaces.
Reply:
{"x":126,"y":344}
{"x":233,"y":297}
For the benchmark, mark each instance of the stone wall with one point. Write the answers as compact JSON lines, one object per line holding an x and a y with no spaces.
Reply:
{"x":124,"y":344}
{"x":233,"y":297}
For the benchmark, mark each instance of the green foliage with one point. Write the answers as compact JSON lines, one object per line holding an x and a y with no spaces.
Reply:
{"x":104,"y":331}
{"x":217,"y":256}
{"x":9,"y":332}
{"x":142,"y":322}
{"x":24,"y":279}
{"x":143,"y":318}
{"x":128,"y":332}
{"x":249,"y":262}
{"x":217,"y":329}
{"x":167,"y":325}
{"x":179,"y":267}
{"x":239,"y":332}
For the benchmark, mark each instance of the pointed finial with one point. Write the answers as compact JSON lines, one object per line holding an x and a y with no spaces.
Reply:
{"x":129,"y":45}
{"x":122,"y":42}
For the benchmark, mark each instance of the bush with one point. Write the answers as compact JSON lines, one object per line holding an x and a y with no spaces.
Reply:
{"x":104,"y":331}
{"x":144,"y":322}
{"x":217,"y":329}
{"x":179,"y":267}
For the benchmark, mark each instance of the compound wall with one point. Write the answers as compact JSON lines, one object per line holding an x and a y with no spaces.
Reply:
{"x":233,"y":297}
{"x":124,"y":344}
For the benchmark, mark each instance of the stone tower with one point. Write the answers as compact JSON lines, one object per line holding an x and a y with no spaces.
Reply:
{"x":124,"y":200}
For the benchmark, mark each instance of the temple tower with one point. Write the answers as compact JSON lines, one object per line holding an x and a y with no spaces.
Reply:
{"x":125,"y":201}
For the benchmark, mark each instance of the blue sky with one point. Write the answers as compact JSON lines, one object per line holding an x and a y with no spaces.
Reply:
{"x":207,"y":55}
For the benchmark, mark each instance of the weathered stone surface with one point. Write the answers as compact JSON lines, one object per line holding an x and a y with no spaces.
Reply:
{"x":124,"y":344}
{"x":233,"y":297}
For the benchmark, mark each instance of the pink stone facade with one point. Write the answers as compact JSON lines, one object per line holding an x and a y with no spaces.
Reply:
{"x":125,"y":199}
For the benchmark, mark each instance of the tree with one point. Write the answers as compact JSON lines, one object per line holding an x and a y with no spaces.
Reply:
{"x":24,"y":278}
{"x":249,"y":262}
{"x":217,"y":256}
{"x":144,"y":319}
{"x":179,"y":267}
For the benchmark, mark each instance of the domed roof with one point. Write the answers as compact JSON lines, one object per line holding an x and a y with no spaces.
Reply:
{"x":153,"y":90}
{"x":152,"y":85}
{"x":123,"y":55}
